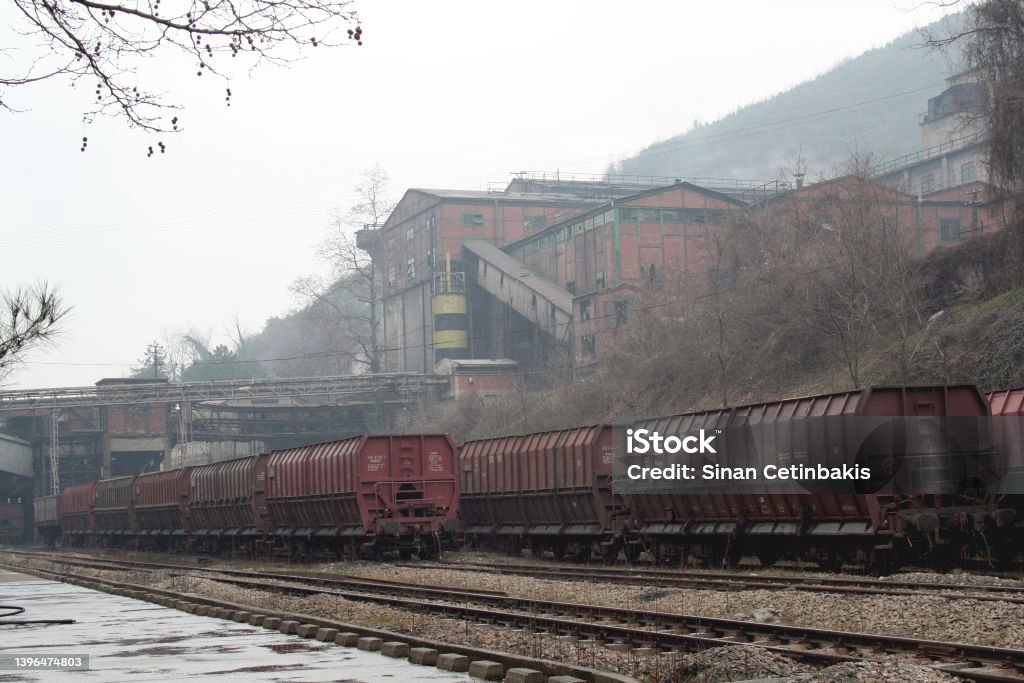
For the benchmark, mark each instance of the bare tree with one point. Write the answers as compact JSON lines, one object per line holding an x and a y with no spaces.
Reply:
{"x":104,"y":42}
{"x":31,"y":317}
{"x":349,"y":299}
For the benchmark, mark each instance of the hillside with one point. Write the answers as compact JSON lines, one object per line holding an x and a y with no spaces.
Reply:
{"x":872,"y":102}
{"x":965,"y":324}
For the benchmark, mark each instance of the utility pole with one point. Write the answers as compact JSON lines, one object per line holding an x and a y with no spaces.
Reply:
{"x":54,"y":450}
{"x":155,"y":350}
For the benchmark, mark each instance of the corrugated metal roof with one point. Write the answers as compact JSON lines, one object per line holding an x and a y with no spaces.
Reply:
{"x":513,"y":268}
{"x":15,"y":456}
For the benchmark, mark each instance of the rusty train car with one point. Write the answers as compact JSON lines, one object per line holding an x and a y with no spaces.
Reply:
{"x":556,"y":492}
{"x":359,"y":497}
{"x":12,"y":522}
{"x":546,"y":492}
{"x":553,"y":492}
{"x":934,"y":510}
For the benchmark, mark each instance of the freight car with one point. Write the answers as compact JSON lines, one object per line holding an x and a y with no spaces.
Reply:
{"x":363,"y":496}
{"x":228,"y":508}
{"x":546,"y":492}
{"x":1008,"y":428}
{"x":12,"y":522}
{"x":926,"y":514}
{"x":45,"y":519}
{"x":75,"y":507}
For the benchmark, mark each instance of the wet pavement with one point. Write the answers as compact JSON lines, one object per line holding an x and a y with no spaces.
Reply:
{"x":132,"y":640}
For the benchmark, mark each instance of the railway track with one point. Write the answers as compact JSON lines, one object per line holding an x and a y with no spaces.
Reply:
{"x":134,"y":565}
{"x":659,"y":631}
{"x":734,"y":581}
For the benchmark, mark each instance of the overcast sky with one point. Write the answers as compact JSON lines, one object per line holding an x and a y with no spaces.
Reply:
{"x":442,"y":94}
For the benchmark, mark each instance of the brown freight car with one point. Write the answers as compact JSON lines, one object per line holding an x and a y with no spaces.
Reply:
{"x":75,"y":512}
{"x":112,"y":510}
{"x":919,"y":516}
{"x":1008,"y":425}
{"x":548,"y":492}
{"x":160,"y":508}
{"x":228,"y":507}
{"x":364,"y":496}
{"x":12,"y":522}
{"x":1008,"y":429}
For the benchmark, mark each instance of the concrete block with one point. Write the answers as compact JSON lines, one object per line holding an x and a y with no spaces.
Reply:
{"x":449,"y":661}
{"x":520,"y":675}
{"x":241,"y":616}
{"x":486,"y":670}
{"x":393,"y":648}
{"x":307,"y":630}
{"x":346,"y":639}
{"x":273,"y":623}
{"x":327,"y":635}
{"x":423,"y":655}
{"x":288,"y":626}
{"x":369,"y":644}
{"x":256,"y":619}
{"x":565,"y":679}
{"x":201,"y":610}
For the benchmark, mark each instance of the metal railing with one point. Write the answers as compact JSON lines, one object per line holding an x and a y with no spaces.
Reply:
{"x":925,"y":154}
{"x":115,"y":394}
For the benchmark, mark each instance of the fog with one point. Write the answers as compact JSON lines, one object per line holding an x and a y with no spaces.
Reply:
{"x":441,"y":95}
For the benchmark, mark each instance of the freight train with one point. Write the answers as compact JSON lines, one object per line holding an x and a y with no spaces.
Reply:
{"x":360,"y":497}
{"x":558,"y":492}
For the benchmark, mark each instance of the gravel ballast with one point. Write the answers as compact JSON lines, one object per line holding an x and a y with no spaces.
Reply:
{"x":963,"y":620}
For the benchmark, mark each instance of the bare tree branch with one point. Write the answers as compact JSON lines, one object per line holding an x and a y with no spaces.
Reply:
{"x":108,"y":41}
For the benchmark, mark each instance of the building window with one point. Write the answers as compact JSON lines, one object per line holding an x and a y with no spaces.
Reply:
{"x":629,"y":214}
{"x":600,"y":280}
{"x":968,"y":172}
{"x":589,"y":344}
{"x":392,"y":276}
{"x":650,"y":216}
{"x":888,"y":225}
{"x":570,"y":287}
{"x":927,"y":184}
{"x":473,"y":220}
{"x":410,"y":233}
{"x":584,"y":310}
{"x":949,"y":230}
{"x":536,"y":222}
{"x":410,"y":269}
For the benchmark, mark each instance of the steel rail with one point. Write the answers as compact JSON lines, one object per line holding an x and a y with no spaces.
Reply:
{"x":731,"y":581}
{"x":644,"y":628}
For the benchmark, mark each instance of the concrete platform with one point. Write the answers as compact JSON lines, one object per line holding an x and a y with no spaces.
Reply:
{"x":133,"y":640}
